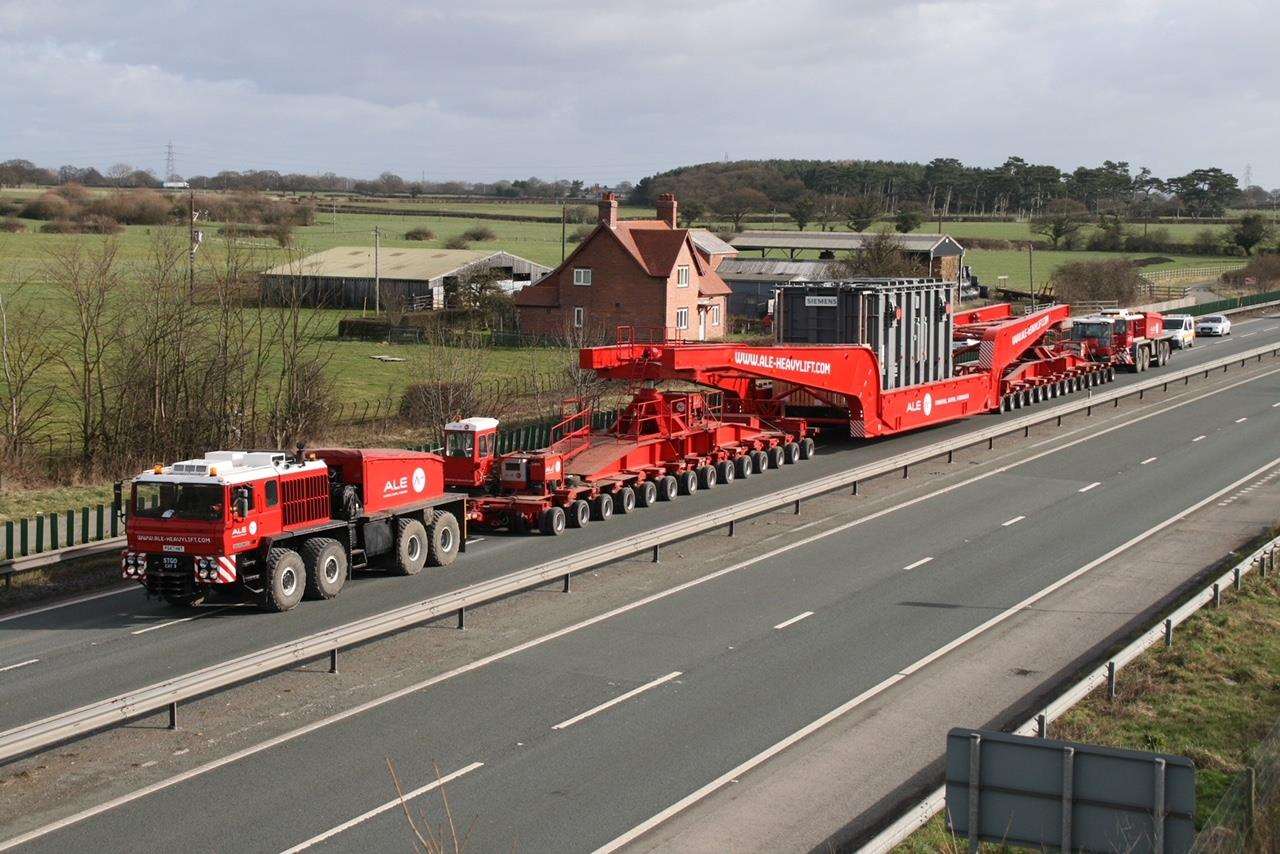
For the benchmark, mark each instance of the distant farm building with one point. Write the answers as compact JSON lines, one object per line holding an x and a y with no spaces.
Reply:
{"x":940,"y":254}
{"x":417,"y":279}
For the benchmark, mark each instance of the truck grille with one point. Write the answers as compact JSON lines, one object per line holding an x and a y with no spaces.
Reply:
{"x":170,"y":575}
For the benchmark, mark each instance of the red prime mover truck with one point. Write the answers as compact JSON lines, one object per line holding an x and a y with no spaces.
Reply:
{"x":269,"y":527}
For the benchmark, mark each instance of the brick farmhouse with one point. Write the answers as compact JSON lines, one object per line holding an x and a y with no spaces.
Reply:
{"x":649,"y":274}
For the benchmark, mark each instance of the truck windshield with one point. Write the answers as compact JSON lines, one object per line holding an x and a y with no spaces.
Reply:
{"x":459,"y":443}
{"x":1092,"y":329}
{"x":178,"y":501}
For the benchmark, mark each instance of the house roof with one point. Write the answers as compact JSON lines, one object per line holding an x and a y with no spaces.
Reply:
{"x":356,"y":262}
{"x":834,"y":241}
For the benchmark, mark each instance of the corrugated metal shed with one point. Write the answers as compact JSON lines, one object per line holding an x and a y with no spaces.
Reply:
{"x":356,"y":262}
{"x":843,"y":241}
{"x":753,"y":280}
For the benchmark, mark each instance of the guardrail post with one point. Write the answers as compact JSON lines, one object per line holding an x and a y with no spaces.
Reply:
{"x":951,"y":456}
{"x":1168,"y":634}
{"x":462,"y":618}
{"x":1217,"y":595}
{"x":1166,"y":386}
{"x":1186,"y":380}
{"x":1142,"y":392}
{"x":1117,"y":403}
{"x":797,"y":507}
{"x":975,"y":788}
{"x":855,"y":488}
{"x":333,"y":660}
{"x":1042,"y":725}
{"x":1026,"y":431}
{"x":731,"y":530}
{"x":1059,"y":420}
{"x":1088,"y":411}
{"x":1111,"y":680}
{"x":1206,"y":375}
{"x":656,"y":558}
{"x":1236,"y":573}
{"x":991,"y":443}
{"x":567,"y":582}
{"x":173,"y":715}
{"x":905,"y":472}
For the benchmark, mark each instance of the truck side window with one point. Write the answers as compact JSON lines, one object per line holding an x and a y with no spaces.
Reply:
{"x":273,"y":493}
{"x":486,"y":445}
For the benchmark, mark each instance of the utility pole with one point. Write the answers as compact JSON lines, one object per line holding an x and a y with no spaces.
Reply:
{"x":377,"y":280}
{"x":564,"y":218}
{"x":1031,"y":273}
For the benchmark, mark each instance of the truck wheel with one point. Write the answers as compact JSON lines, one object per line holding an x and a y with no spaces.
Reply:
{"x":807,"y":448}
{"x":791,"y":453}
{"x":411,"y":546}
{"x":602,"y":507}
{"x":552,"y":521}
{"x":326,"y":563}
{"x":668,"y":489}
{"x":442,"y":539}
{"x":579,"y":513}
{"x":647,"y":494}
{"x":759,"y":461}
{"x":706,"y":477}
{"x":688,"y":482}
{"x":775,"y":457}
{"x":286,"y":580}
{"x":724,"y":471}
{"x":624,"y":500}
{"x":743,"y":467}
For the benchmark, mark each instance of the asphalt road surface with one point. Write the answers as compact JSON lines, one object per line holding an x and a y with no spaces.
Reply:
{"x":567,"y":744}
{"x":52,"y":660}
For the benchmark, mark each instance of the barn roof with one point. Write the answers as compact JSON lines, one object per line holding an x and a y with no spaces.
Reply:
{"x":836,"y":241}
{"x":356,"y":262}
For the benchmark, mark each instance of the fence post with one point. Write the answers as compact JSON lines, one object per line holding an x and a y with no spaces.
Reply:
{"x":39,"y":520}
{"x":84,"y":524}
{"x":23,"y":536}
{"x":8,"y":540}
{"x":99,"y":534}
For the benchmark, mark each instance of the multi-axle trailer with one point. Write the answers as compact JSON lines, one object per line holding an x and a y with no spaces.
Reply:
{"x":269,"y":527}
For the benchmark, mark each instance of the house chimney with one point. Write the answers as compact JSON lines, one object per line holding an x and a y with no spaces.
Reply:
{"x":667,"y":209}
{"x":609,"y":210}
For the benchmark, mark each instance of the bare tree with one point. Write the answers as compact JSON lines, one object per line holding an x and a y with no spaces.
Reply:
{"x":120,"y":174}
{"x":300,"y":391}
{"x":26,"y":355}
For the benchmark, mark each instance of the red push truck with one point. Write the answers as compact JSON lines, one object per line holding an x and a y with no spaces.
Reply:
{"x":663,"y":445}
{"x":271,"y":527}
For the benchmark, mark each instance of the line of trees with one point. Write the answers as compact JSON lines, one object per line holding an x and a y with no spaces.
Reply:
{"x":821,"y":192}
{"x":126,"y":360}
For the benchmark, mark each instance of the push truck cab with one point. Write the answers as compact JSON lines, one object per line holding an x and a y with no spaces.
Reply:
{"x":269,"y":527}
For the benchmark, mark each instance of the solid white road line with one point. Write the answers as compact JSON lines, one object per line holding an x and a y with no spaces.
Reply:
{"x":769,"y":752}
{"x":1242,"y":420}
{"x":797,"y":618}
{"x":131,"y":587}
{"x":19,"y":664}
{"x":1096,"y":483}
{"x":1198,"y":438}
{"x":175,"y":622}
{"x":376,"y":811}
{"x":1015,"y":520}
{"x":921,"y":562}
{"x":337,"y":717}
{"x":618,"y":699}
{"x":1274,"y":405}
{"x":1148,"y":460}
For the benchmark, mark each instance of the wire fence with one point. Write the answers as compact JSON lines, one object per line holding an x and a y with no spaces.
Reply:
{"x":1247,"y":819}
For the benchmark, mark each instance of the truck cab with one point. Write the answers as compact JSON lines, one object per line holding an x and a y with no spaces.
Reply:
{"x":1136,"y":339}
{"x":469,"y":452}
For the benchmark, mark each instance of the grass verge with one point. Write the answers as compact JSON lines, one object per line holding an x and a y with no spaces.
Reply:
{"x":50,"y":584}
{"x":1211,"y":697}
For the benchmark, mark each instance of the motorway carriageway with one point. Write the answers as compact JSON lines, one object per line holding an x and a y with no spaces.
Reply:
{"x":570,"y":742}
{"x":56,"y":659}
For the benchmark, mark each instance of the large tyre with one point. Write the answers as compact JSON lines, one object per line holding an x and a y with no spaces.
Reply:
{"x":724,"y":471}
{"x":579,"y":513}
{"x":706,"y":477}
{"x":687,"y":481}
{"x":443,"y":538}
{"x":411,"y":547}
{"x":807,"y":448}
{"x":285,"y":579}
{"x":326,"y":563}
{"x":775,"y":457}
{"x":759,"y":462}
{"x":602,"y":507}
{"x":791,"y":453}
{"x":743,"y":467}
{"x":647,"y":494}
{"x":668,"y":489}
{"x":624,"y":500}
{"x":552,"y":522}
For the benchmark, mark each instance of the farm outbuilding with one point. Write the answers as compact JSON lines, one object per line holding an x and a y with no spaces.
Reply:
{"x":421,"y":279}
{"x":752,"y":281}
{"x":942,"y":256}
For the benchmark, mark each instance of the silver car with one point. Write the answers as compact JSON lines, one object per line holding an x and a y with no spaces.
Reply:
{"x":1213,"y":324}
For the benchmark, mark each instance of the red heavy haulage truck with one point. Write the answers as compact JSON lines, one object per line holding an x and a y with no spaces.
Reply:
{"x":271,"y":527}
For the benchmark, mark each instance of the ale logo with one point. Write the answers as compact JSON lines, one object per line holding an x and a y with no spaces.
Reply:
{"x":419,"y":480}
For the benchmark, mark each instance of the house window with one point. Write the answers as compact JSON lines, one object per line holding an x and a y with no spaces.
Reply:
{"x":579,"y":314}
{"x":682,"y":318}
{"x":715,"y":315}
{"x":582,"y":275}
{"x":682,"y":276}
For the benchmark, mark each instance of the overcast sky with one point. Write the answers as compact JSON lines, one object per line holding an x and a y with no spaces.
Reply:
{"x":485,"y":89}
